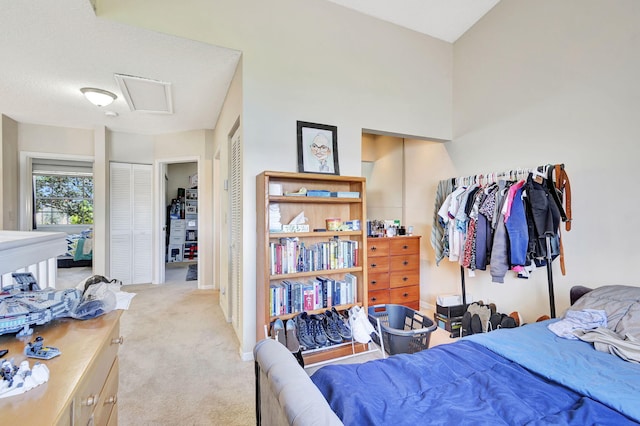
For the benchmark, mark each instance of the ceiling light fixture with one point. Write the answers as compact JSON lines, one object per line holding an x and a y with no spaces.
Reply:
{"x":98,"y":97}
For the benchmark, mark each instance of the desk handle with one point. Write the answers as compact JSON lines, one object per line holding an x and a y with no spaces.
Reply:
{"x":117,"y":341}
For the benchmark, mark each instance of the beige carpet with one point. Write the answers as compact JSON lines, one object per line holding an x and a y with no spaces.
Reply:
{"x":179,"y":364}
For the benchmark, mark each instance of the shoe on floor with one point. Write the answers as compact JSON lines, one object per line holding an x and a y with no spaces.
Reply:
{"x":317,"y":331}
{"x":465,"y":326}
{"x":517,"y":318}
{"x":277,"y":331}
{"x":343,"y":327}
{"x":293,"y":344}
{"x":304,"y":331}
{"x":495,"y":321}
{"x":330,"y":326}
{"x":476,"y":324}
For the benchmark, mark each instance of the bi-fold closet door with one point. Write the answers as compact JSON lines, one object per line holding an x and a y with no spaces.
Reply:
{"x":131,"y":207}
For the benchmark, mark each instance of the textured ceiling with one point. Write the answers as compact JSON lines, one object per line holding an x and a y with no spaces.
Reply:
{"x":50,"y":49}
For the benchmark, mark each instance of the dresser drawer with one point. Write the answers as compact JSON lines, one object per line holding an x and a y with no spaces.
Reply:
{"x":378,"y":281}
{"x":402,"y":295}
{"x":378,"y":264}
{"x":404,"y":278}
{"x":379,"y":297}
{"x":404,"y":263}
{"x":107,"y":403}
{"x":89,"y":390}
{"x":377,"y":247}
{"x":404,"y":245}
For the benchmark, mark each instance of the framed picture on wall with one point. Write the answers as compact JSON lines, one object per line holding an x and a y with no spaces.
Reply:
{"x":317,"y":148}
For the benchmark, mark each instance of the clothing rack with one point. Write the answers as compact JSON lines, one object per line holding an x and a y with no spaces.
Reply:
{"x":514,"y":175}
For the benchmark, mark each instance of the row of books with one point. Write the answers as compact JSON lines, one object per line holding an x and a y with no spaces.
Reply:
{"x":288,"y":297}
{"x":290,"y":255}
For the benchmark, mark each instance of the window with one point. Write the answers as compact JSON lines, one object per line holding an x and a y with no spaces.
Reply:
{"x":63,"y":198}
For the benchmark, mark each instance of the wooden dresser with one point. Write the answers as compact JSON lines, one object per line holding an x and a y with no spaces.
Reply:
{"x":393,"y":269}
{"x":83,"y":383}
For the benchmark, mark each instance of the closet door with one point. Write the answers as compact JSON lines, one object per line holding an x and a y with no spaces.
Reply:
{"x":131,"y":222}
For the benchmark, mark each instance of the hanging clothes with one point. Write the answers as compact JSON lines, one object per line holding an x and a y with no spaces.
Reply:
{"x":544,"y":218}
{"x":438,"y":229}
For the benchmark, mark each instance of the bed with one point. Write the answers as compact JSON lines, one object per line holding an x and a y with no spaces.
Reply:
{"x":526,"y":375}
{"x":79,"y":251}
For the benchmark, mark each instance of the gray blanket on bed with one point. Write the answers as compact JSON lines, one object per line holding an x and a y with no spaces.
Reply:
{"x":621,"y":337}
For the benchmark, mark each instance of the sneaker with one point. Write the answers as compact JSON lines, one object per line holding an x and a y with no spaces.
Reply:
{"x":361,"y":328}
{"x":507,"y":322}
{"x":465,"y":325}
{"x":317,"y":331}
{"x":494,"y":321}
{"x":304,"y":331}
{"x":517,"y":318}
{"x":476,"y":324}
{"x":330,"y":326}
{"x":343,"y":327}
{"x":277,"y":331}
{"x":293,"y":344}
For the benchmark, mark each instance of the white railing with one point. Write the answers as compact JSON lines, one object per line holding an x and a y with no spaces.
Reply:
{"x":34,"y":252}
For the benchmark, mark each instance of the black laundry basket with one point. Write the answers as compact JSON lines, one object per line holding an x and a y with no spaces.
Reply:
{"x":404,"y":330}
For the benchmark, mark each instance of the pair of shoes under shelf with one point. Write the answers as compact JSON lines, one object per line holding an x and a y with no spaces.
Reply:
{"x":286,"y":335}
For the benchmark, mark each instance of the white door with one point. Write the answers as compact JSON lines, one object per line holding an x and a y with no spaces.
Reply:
{"x":130,"y":223}
{"x":235,"y":194}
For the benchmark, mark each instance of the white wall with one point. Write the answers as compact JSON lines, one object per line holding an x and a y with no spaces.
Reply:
{"x":541,"y":81}
{"x":311,"y":61}
{"x":9,"y":175}
{"x":385,"y":177}
{"x":178,"y":174}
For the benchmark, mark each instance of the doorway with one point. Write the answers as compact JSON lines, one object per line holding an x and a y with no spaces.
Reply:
{"x":178,"y":219}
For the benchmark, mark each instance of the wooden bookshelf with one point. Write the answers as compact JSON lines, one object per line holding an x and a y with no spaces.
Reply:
{"x":317,"y":210}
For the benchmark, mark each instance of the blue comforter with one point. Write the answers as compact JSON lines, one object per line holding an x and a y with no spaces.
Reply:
{"x":467,"y":383}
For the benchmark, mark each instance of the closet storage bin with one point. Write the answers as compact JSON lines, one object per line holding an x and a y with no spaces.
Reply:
{"x":404,"y":330}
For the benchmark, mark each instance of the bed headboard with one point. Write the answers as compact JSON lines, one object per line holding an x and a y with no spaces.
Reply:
{"x":577,"y":291}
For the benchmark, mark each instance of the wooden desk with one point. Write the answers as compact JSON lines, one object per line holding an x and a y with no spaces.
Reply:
{"x":83,"y":383}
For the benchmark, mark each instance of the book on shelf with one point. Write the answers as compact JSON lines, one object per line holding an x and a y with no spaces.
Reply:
{"x":289,"y":255}
{"x":346,"y":194}
{"x":318,"y":193}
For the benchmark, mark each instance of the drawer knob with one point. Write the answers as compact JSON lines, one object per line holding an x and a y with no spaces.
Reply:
{"x":374,"y":282}
{"x":91,"y":400}
{"x":373,"y":299}
{"x":111,"y":400}
{"x":405,"y":278}
{"x":373,"y":265}
{"x":405,"y":294}
{"x":374,"y":248}
{"x":117,"y":341}
{"x":405,"y":247}
{"x":405,"y":263}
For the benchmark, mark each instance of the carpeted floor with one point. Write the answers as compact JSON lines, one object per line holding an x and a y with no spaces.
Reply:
{"x":179,"y":364}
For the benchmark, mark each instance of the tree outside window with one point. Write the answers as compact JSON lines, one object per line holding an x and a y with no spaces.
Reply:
{"x":63,"y":199}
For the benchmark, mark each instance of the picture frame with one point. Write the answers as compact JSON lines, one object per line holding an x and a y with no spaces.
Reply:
{"x":317,"y":148}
